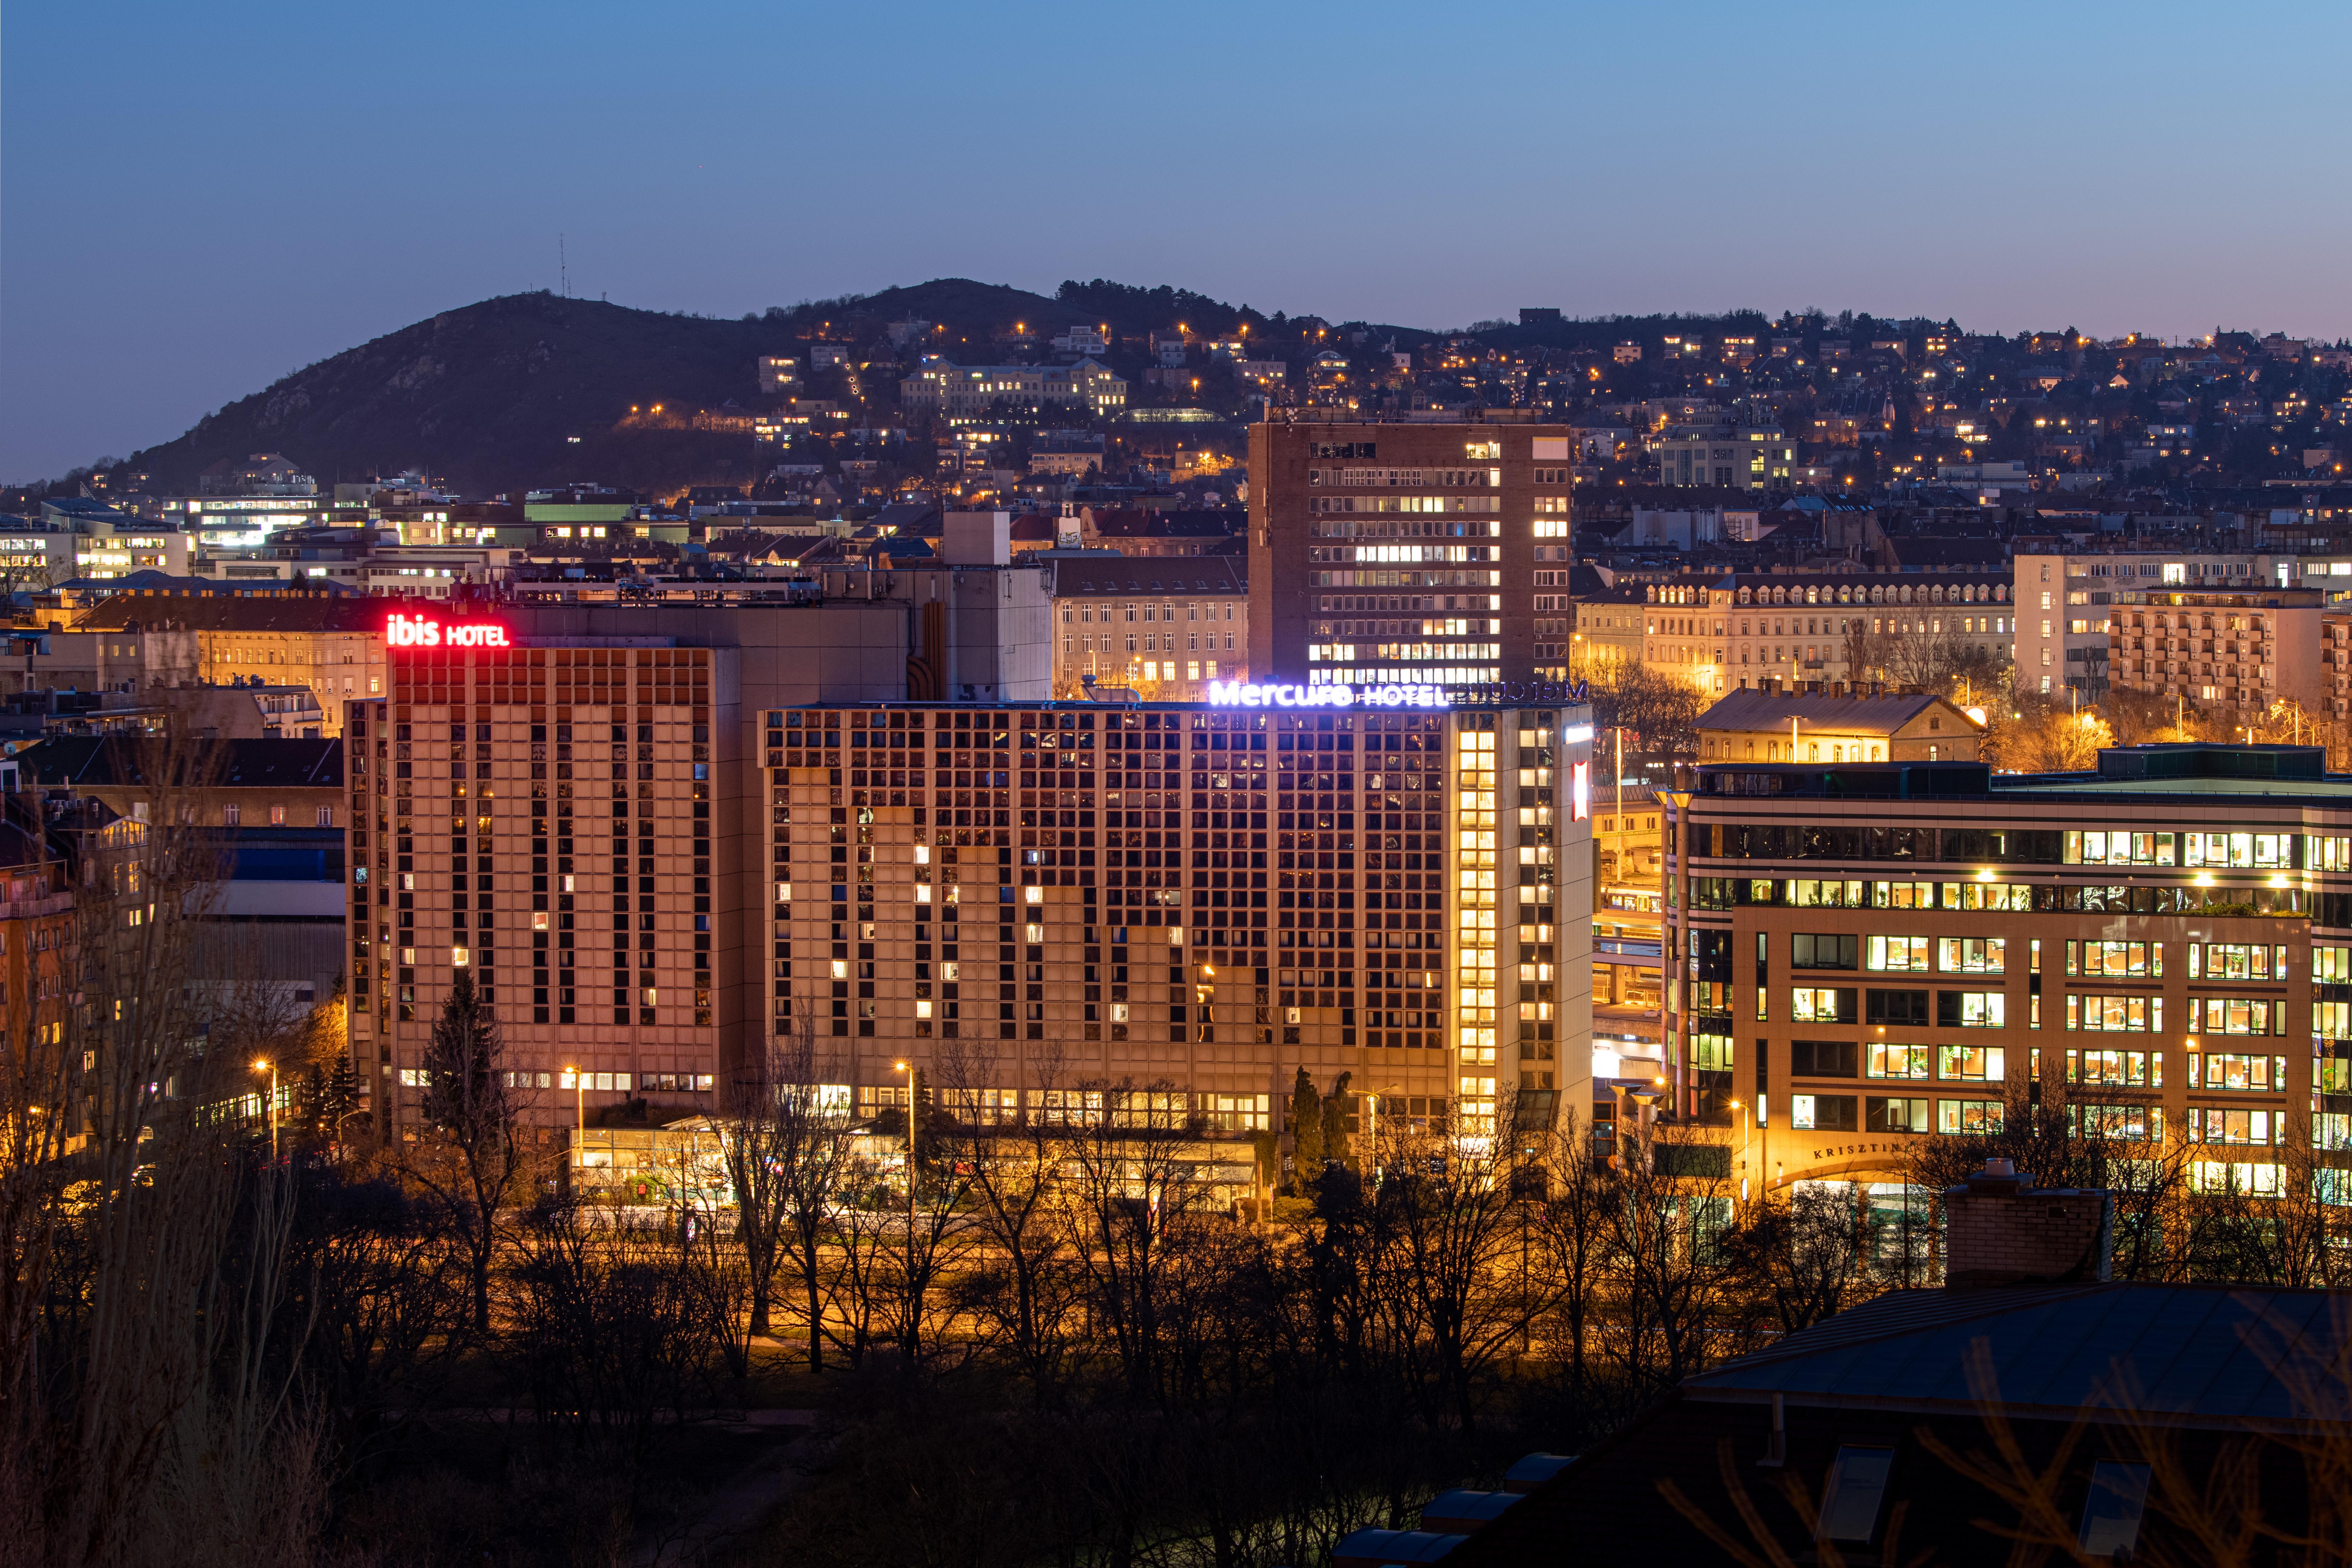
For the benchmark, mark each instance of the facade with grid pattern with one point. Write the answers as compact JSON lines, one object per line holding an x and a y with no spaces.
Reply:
{"x":1198,"y":900}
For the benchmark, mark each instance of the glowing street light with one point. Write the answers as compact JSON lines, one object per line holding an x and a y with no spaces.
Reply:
{"x":264,"y":1065}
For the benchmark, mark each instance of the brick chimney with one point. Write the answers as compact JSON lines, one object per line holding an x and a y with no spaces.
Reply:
{"x":2000,"y":1229}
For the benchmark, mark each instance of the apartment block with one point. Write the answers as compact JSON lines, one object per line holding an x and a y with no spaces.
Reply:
{"x":960,"y":393}
{"x":333,"y":644}
{"x":1404,"y":553}
{"x":1728,"y":459}
{"x":1195,"y":900}
{"x":1870,"y":627}
{"x":1172,"y":624}
{"x":2244,"y":648}
{"x":1871,"y":954}
{"x":2064,"y":603}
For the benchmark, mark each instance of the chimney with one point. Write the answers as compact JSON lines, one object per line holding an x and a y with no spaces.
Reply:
{"x":2000,"y":1229}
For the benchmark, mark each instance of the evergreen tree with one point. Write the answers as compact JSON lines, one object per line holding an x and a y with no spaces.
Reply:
{"x":1305,"y":1130}
{"x":1334,"y":1121}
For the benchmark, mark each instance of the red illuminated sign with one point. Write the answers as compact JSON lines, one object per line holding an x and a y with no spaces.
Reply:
{"x":417,"y":631}
{"x":1580,"y":792}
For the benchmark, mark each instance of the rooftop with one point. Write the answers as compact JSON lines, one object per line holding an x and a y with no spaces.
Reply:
{"x":1754,"y":708}
{"x":2195,"y":1354}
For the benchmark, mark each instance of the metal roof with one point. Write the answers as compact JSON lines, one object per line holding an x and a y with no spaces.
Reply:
{"x":2188,"y":1354}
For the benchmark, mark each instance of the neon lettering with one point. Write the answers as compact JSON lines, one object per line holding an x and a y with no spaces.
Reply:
{"x":417,"y":631}
{"x":1233,"y":694}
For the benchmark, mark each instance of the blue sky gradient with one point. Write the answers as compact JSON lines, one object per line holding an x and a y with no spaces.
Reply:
{"x":195,"y":201}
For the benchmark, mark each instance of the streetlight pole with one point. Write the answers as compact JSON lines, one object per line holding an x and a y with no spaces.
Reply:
{"x":271,"y":1068}
{"x":907,"y":1068}
{"x":1742,"y":1111}
{"x":580,"y":1134}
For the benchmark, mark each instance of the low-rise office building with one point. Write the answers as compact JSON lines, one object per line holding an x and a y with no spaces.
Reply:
{"x":1874,"y":954}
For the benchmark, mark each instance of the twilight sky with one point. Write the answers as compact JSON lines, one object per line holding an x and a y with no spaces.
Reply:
{"x":195,"y":200}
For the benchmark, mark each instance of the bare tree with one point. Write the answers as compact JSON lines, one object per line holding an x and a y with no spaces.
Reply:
{"x":786,"y":1150}
{"x":1027,"y":1288}
{"x":1130,"y":1185}
{"x":1458,"y":1285}
{"x":475,"y":1160}
{"x":1572,"y":1228}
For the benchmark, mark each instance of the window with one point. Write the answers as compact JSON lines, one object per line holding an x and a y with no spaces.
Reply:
{"x":1851,"y":1500}
{"x":1826,"y":951}
{"x":2111,"y":1513}
{"x":2118,"y":1123}
{"x":2259,"y":1180}
{"x":1972,"y":955}
{"x":1821,"y":1058}
{"x":2119,"y":1069}
{"x":2232,"y":1069}
{"x":230,"y":815}
{"x":1822,"y":1112}
{"x":1883,"y":1115}
{"x":2122,"y":959}
{"x":2216,"y":1124}
{"x":1905,"y":1008}
{"x":1971,"y":1010}
{"x":1883,"y":1060}
{"x":1968,"y":1117}
{"x":1906,"y":954}
{"x":2128,"y":1014}
{"x":1822,"y":1004}
{"x":2238,"y":960}
{"x":1978,"y":1064}
{"x":2266,"y":852}
{"x":2119,"y":847}
{"x":2235,"y":1015}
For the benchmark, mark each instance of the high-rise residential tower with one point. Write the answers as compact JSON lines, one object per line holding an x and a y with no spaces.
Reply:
{"x":1403,"y":552}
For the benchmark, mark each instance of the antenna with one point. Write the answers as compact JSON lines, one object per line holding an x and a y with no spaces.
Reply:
{"x":563,"y":269}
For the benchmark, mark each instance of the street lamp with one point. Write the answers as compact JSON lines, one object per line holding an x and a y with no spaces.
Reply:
{"x":264,"y":1065}
{"x":1740,"y":1111}
{"x":909,"y":1068}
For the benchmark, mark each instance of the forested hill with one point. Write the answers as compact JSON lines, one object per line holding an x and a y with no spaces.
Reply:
{"x":533,"y":389}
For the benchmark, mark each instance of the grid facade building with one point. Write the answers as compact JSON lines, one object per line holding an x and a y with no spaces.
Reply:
{"x":1420,"y":547}
{"x":1864,"y":956}
{"x":1201,"y":899}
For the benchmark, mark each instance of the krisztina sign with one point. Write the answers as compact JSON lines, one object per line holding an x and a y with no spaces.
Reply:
{"x":418,"y":631}
{"x":1233,"y":694}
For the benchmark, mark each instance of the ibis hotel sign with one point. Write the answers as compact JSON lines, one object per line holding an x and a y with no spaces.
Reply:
{"x":423,"y":631}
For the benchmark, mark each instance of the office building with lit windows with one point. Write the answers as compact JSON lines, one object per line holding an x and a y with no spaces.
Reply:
{"x":1406,"y":552}
{"x":562,"y":800}
{"x":658,"y":837}
{"x":1860,"y":956}
{"x":1191,"y":898}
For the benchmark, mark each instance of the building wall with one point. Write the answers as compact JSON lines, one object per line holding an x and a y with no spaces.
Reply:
{"x":1737,"y":1006}
{"x":673,"y":680}
{"x":752,"y":856}
{"x":1055,"y":926}
{"x":1124,"y":639}
{"x":1342,"y":589}
{"x":1804,"y":632}
{"x":2246,"y":649}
